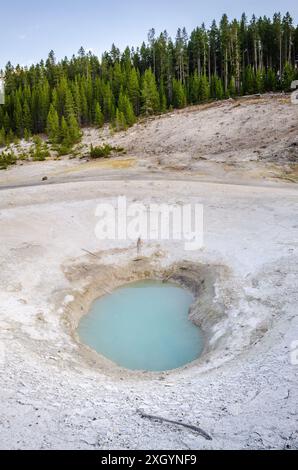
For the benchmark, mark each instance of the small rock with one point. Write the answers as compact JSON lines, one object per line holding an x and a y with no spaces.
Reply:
{"x":45,"y":178}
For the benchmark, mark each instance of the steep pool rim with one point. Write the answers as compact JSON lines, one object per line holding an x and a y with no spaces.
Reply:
{"x":175,"y":350}
{"x":212,"y":286}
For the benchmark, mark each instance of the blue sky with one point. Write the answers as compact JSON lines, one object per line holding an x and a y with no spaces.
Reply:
{"x":30,"y":29}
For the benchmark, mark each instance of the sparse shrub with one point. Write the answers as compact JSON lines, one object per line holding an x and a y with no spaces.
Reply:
{"x":22,"y":156}
{"x":104,"y":151}
{"x":27,"y":135}
{"x":39,"y":151}
{"x":7,"y":158}
{"x":63,"y":149}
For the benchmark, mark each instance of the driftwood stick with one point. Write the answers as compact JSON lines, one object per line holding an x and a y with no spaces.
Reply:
{"x":90,"y":253}
{"x":196,"y":429}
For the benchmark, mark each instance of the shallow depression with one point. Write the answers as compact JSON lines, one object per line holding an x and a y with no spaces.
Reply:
{"x":143,"y":326}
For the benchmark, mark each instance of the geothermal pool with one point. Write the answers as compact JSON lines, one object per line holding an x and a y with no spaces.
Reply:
{"x":143,"y":326}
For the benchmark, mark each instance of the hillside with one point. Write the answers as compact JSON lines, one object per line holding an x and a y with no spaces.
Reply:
{"x":247,"y":139}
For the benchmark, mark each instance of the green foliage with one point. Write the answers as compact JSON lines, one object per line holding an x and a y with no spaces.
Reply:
{"x":179,"y":97}
{"x":18,"y":117}
{"x":288,"y":77}
{"x":74,"y":133}
{"x":271,"y":80}
{"x":217,"y":90}
{"x":27,"y":119}
{"x":232,"y":87}
{"x":125,"y":109}
{"x":39,"y":151}
{"x":150,"y":95}
{"x":204,"y":89}
{"x":64,"y":136}
{"x":7,"y":158}
{"x":119,"y":122}
{"x":27,"y":135}
{"x":162,"y":98}
{"x":134,"y":92}
{"x":104,"y":151}
{"x":53,"y":125}
{"x":259,"y":82}
{"x":22,"y":155}
{"x":99,"y":117}
{"x":108,"y":102}
{"x":194,"y":94}
{"x":2,"y":137}
{"x":249,"y":81}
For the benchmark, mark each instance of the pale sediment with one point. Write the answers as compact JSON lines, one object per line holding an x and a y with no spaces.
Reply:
{"x":55,"y":393}
{"x":216,"y":297}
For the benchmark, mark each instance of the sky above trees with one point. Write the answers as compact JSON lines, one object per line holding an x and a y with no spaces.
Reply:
{"x":29,"y":30}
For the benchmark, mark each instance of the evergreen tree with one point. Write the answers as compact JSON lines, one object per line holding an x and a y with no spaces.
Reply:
{"x":134,"y":90}
{"x":288,"y":77}
{"x":219,"y":91}
{"x":150,"y":96}
{"x":120,"y":123}
{"x":118,"y":80}
{"x":27,"y":119}
{"x":216,"y":88}
{"x":259,"y":82}
{"x":84,"y":104}
{"x":68,"y":108}
{"x":249,"y":81}
{"x":27,"y":135}
{"x":108,"y":103}
{"x":6,"y":122}
{"x":74,"y":132}
{"x":18,"y":117}
{"x":232,"y":87}
{"x":179,"y":98}
{"x":195,"y":88}
{"x":99,"y":117}
{"x":64,"y":133}
{"x":53,"y":125}
{"x":125,"y":107}
{"x":162,"y":98}
{"x":204,"y":89}
{"x":270,"y":80}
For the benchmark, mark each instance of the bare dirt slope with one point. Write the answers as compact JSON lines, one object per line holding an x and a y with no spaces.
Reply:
{"x":245,"y":140}
{"x":247,"y":129}
{"x":249,"y":133}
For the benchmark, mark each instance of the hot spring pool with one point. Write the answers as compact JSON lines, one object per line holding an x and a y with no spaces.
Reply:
{"x":143,"y":326}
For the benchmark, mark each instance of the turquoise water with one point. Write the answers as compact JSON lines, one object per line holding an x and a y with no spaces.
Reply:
{"x":143,"y":326}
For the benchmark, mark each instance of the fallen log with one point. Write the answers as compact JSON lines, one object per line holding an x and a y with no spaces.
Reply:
{"x":90,"y":253}
{"x":196,"y":429}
